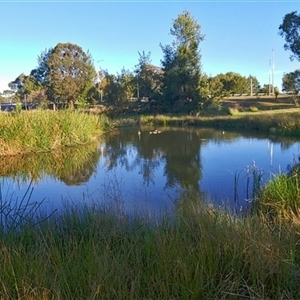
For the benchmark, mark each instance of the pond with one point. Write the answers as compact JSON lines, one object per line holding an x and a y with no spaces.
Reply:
{"x":147,"y":170}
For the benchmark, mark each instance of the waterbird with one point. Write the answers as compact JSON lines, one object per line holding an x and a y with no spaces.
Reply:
{"x":155,"y":131}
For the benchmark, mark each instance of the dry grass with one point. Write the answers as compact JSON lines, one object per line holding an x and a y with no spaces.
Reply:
{"x":261,"y":102}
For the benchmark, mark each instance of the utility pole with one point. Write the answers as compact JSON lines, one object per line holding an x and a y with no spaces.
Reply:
{"x":137,"y":87}
{"x":273,"y":67}
{"x":100,"y":77}
{"x":269,"y":77}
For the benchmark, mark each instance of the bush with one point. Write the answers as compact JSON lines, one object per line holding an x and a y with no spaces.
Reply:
{"x":233,"y":111}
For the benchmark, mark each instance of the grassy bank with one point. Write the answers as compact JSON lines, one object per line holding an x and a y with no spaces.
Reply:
{"x":263,"y":113}
{"x":198,"y":253}
{"x":38,"y":131}
{"x":285,"y":121}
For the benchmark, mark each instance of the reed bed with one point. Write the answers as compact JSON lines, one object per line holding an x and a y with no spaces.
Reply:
{"x":39,"y":131}
{"x":194,"y":252}
{"x":280,"y":198}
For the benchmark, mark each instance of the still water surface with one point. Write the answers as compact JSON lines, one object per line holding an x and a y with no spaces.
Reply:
{"x":148,"y":171}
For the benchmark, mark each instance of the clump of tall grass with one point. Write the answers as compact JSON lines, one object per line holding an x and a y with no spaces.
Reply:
{"x":253,"y":109}
{"x":195,"y":252}
{"x":105,"y":122}
{"x":280,"y":198}
{"x":168,"y":120}
{"x":125,"y":122}
{"x":37,"y":131}
{"x":233,"y":111}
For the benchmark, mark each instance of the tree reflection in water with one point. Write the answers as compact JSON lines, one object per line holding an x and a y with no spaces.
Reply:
{"x":170,"y":160}
{"x":72,"y":165}
{"x":176,"y":149}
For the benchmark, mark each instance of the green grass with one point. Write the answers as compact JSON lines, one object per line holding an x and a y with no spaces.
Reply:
{"x":263,"y":103}
{"x":284,"y":122}
{"x":198,"y":252}
{"x":195,"y":252}
{"x":265,"y":113}
{"x":39,"y":131}
{"x":280,"y":198}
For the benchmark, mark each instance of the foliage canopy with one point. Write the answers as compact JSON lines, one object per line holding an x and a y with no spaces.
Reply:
{"x":66,"y":71}
{"x":291,"y":82}
{"x":181,"y":64}
{"x":290,"y":31}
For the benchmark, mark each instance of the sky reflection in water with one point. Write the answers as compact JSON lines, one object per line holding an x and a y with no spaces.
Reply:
{"x":147,"y":172}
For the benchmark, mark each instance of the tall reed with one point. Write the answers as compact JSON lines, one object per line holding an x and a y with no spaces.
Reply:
{"x":37,"y":131}
{"x":194,"y":252}
{"x":280,"y":198}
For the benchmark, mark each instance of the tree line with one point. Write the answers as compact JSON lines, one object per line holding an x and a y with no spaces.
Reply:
{"x":66,"y":75}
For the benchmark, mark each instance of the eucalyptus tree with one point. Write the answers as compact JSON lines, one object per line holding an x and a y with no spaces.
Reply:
{"x":181,"y":65}
{"x":118,"y":89}
{"x":290,"y":31}
{"x":234,"y":83}
{"x":266,"y":89}
{"x":291,"y":82}
{"x":66,"y":72}
{"x":212,"y":90}
{"x":148,"y":78}
{"x":110,"y":89}
{"x":7,"y":96}
{"x":27,"y":89}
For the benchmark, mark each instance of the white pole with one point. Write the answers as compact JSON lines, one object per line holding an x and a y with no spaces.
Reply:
{"x":273,"y":67}
{"x":100,"y":77}
{"x":269,"y":77}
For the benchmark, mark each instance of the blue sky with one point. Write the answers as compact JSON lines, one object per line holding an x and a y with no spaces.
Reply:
{"x":240,"y":36}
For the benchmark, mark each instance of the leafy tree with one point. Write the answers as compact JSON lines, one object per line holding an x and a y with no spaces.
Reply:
{"x":125,"y":80}
{"x":148,"y":78}
{"x":28,"y":89}
{"x":291,"y":82}
{"x":40,"y":73}
{"x":266,"y":88}
{"x":181,"y":65}
{"x":110,"y":89}
{"x":18,"y":83}
{"x":118,"y":89}
{"x":67,"y":73}
{"x":233,"y":83}
{"x":215,"y":88}
{"x":211,"y":89}
{"x":95,"y":94}
{"x":290,"y":31}
{"x":7,"y":96}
